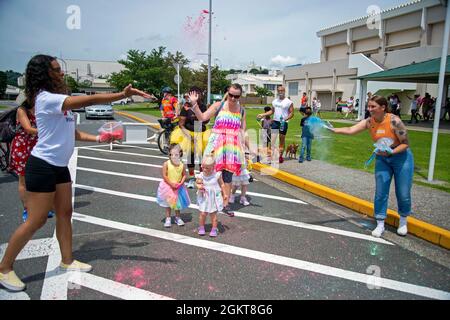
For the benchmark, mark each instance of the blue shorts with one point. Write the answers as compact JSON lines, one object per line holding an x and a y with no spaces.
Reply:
{"x":276,"y":126}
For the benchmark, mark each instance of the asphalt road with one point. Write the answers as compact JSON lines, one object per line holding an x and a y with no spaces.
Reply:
{"x":287,"y":244}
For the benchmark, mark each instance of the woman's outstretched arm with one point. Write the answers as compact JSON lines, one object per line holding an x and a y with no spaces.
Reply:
{"x":85,"y":101}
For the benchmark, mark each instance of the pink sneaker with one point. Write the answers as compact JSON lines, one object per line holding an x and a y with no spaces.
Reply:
{"x":201,"y":231}
{"x":214,"y":232}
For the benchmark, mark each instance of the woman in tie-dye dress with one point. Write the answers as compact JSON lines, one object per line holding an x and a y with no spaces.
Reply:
{"x":226,"y":141}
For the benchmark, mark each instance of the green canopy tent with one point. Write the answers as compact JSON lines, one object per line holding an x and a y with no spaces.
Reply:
{"x":421,"y":72}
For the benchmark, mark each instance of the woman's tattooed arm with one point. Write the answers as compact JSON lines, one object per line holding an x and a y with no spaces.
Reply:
{"x":400,"y":130}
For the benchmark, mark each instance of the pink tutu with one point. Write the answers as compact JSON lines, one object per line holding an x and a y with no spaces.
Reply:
{"x":174,"y":199}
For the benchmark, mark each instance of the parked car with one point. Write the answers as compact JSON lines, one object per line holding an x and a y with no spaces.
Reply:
{"x":78,"y":94}
{"x":100,"y":111}
{"x":122,"y":101}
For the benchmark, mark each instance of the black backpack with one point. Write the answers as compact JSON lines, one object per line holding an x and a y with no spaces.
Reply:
{"x":8,"y":125}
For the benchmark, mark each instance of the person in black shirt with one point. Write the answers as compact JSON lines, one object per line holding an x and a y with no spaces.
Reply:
{"x":184,"y":135}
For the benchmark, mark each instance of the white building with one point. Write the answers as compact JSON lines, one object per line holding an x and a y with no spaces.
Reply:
{"x":408,"y":33}
{"x":249,"y":81}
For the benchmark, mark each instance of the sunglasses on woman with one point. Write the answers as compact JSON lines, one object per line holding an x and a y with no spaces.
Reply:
{"x":234,"y":96}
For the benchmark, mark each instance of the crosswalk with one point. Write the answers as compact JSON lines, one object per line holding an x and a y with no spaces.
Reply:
{"x":291,"y":244}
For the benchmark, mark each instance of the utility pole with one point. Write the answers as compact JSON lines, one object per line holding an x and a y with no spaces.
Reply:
{"x":209,"y":52}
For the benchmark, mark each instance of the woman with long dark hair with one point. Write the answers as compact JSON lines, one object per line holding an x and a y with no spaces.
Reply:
{"x":47,"y":177}
{"x":398,"y":161}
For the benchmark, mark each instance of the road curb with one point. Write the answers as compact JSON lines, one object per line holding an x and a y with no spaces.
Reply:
{"x":419,"y":228}
{"x":125,"y":114}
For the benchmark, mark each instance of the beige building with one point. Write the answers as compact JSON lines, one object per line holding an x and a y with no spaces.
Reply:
{"x":92,"y":72}
{"x":411,"y":32}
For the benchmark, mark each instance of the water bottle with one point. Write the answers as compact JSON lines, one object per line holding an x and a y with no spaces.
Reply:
{"x":282,"y":124}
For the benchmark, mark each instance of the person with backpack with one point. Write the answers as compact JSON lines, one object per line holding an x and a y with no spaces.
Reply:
{"x":47,"y":177}
{"x":24,"y":141}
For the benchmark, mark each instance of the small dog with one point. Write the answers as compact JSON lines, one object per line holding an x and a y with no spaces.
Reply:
{"x":291,"y":151}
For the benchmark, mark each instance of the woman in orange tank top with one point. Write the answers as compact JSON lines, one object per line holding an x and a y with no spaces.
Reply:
{"x":398,"y":163}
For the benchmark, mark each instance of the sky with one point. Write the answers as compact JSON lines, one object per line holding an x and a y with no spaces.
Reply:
{"x":269,"y":33}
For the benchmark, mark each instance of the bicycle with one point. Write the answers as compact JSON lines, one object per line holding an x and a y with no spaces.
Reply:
{"x":164,"y":136}
{"x":4,"y":156}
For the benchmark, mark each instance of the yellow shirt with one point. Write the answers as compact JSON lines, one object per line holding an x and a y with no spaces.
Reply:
{"x":174,"y":173}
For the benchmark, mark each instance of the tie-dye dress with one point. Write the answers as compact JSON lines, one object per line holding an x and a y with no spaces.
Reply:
{"x":226,"y":142}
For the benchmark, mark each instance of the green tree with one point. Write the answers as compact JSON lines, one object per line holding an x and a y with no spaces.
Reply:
{"x":3,"y":82}
{"x":73,"y":85}
{"x":151,"y":72}
{"x":218,"y":79}
{"x":263,"y":92}
{"x":12,"y":77}
{"x":254,"y":71}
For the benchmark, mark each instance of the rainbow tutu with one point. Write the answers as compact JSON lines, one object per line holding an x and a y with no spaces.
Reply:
{"x":174,"y":199}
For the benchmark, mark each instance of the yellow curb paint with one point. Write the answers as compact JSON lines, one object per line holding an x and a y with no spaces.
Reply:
{"x":417,"y":227}
{"x":137,"y":119}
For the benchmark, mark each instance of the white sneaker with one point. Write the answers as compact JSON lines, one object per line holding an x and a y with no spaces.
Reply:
{"x":231,"y":199}
{"x":179,"y":221}
{"x":378,"y":231}
{"x":75,"y":266}
{"x":11,"y":281}
{"x":244,"y":201}
{"x":168,"y":223}
{"x":402,"y":228}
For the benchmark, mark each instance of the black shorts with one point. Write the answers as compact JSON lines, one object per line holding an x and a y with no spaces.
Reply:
{"x":276,"y":126}
{"x":40,"y":176}
{"x":227,"y":176}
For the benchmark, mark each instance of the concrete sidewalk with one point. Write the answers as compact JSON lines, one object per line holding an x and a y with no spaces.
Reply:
{"x":428,"y":204}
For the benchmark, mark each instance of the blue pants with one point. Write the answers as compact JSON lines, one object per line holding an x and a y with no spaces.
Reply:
{"x":306,"y":144}
{"x":402,"y":167}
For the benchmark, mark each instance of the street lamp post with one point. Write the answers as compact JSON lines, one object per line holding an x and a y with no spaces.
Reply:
{"x":65,"y":69}
{"x":209,"y":52}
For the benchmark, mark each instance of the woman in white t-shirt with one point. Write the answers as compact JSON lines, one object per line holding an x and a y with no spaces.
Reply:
{"x":47,"y":176}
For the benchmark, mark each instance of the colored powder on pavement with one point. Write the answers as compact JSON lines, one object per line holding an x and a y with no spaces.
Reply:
{"x":373,"y":249}
{"x":133,"y":276}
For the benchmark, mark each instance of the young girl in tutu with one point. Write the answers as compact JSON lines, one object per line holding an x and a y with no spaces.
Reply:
{"x":211,"y":194}
{"x":172,"y":194}
{"x":242,"y":181}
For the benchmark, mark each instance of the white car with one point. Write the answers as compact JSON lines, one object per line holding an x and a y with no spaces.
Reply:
{"x":122,"y":101}
{"x":99,"y":111}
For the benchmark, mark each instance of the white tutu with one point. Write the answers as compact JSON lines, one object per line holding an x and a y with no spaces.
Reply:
{"x":242,"y":179}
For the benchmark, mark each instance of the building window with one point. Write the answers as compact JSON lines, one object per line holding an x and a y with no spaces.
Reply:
{"x":293,"y":89}
{"x":271,"y":87}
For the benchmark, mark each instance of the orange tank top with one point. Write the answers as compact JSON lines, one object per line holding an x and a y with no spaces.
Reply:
{"x":383,"y":129}
{"x":169,"y":107}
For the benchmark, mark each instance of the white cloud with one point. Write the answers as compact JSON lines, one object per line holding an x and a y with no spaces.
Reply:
{"x":281,"y":61}
{"x":197,"y":64}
